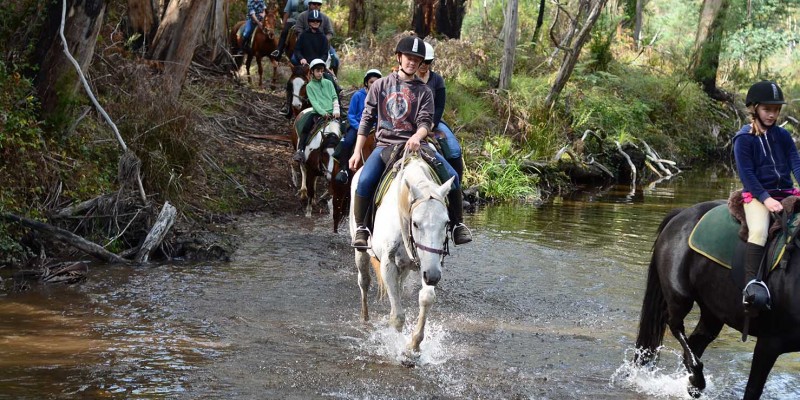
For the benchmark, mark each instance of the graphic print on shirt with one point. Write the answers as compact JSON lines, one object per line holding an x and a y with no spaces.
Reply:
{"x":397,"y":107}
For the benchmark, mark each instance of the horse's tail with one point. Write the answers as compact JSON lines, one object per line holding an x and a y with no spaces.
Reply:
{"x":376,"y":266}
{"x":653,"y":318}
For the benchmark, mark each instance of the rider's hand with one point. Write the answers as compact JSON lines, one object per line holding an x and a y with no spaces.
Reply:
{"x":336,"y":114}
{"x":773,"y":205}
{"x":355,"y":159}
{"x":303,"y":62}
{"x":413,"y":143}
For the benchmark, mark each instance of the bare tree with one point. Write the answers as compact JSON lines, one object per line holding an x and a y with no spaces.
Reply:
{"x":510,"y":44}
{"x":708,"y":43}
{"x":216,"y":32}
{"x":449,"y":17}
{"x":637,"y":23}
{"x":178,"y":35}
{"x":424,"y":18}
{"x":143,"y":18}
{"x":356,"y":15}
{"x":539,"y":22}
{"x":572,"y":54}
{"x":57,"y":79}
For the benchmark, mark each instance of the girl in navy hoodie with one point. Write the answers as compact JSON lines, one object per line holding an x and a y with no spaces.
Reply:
{"x":766,"y":158}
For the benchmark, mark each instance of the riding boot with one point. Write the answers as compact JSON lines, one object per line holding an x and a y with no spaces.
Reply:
{"x":360,"y":208}
{"x":458,"y":165}
{"x":300,"y":155}
{"x":455,"y":210}
{"x":287,"y":110}
{"x":344,"y":166}
{"x":755,"y":293}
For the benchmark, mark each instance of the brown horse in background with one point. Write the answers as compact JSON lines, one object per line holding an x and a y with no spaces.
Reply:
{"x":264,"y":42}
{"x":340,"y":192}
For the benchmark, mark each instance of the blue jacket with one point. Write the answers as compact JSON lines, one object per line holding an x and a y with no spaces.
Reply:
{"x":766,"y":162}
{"x":356,"y":108}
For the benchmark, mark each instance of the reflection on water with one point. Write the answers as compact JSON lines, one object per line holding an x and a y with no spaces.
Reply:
{"x":544,"y":304}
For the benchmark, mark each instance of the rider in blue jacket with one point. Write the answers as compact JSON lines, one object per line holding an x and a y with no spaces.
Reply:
{"x":354,"y":119}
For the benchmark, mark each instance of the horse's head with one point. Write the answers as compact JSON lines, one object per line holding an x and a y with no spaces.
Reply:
{"x":269,"y":21}
{"x":428,"y":225}
{"x":297,"y":85}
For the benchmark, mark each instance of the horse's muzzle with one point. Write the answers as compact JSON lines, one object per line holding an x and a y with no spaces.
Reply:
{"x":431,"y":278}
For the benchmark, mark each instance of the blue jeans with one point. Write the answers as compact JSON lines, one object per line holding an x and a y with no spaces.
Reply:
{"x":249,"y":27}
{"x":373,"y":169}
{"x":334,"y":59}
{"x":349,"y":139}
{"x":450,"y":139}
{"x":294,"y":59}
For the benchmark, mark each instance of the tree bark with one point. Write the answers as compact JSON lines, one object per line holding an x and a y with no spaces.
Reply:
{"x":571,"y":58}
{"x":510,"y":46}
{"x":449,"y":17}
{"x":157,"y":233}
{"x":216,"y":32}
{"x":424,"y":19}
{"x":539,"y":22}
{"x":178,"y":35}
{"x":355,"y":17}
{"x":637,"y":23}
{"x":143,"y":19}
{"x":57,"y":81}
{"x":708,"y":44}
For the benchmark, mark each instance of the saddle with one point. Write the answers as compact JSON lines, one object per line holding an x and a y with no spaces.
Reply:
{"x":718,"y":233}
{"x":240,"y":36}
{"x":330,"y":139}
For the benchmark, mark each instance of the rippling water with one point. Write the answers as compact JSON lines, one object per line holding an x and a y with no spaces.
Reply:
{"x":543,"y":305}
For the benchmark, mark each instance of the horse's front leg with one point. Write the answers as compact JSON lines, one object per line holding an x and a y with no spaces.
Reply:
{"x":764,"y":356}
{"x":391,"y":280}
{"x":274,"y":81}
{"x":260,"y":72}
{"x":427,"y":295}
{"x":363,"y":260}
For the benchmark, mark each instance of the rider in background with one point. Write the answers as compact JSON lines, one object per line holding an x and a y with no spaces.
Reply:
{"x":312,"y":43}
{"x":402,"y":106}
{"x":451,"y":148}
{"x":354,"y":118}
{"x":327,"y":28}
{"x":766,"y":158}
{"x":291,"y":11}
{"x":324,"y":101}
{"x":256,"y":10}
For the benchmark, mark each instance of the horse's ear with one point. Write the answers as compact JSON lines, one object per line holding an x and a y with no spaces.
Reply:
{"x":446,"y":187}
{"x":416,"y":193}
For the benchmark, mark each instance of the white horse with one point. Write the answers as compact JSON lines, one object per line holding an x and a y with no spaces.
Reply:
{"x":410,"y":234}
{"x":319,"y":162}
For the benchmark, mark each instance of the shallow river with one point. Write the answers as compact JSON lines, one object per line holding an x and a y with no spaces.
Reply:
{"x":543,"y":305}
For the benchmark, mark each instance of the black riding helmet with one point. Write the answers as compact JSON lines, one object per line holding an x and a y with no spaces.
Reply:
{"x":412,"y":46}
{"x":314,"y":15}
{"x":764,"y":92}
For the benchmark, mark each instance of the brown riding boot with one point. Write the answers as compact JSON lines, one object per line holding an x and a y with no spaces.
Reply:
{"x":360,"y":208}
{"x":455,"y":210}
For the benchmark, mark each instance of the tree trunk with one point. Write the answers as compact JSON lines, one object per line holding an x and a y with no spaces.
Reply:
{"x":142,"y":19}
{"x":449,"y":17}
{"x":510,"y":44}
{"x":707,"y":47}
{"x":57,"y":81}
{"x":216,"y":32}
{"x":637,"y":24}
{"x":355,"y":17}
{"x":178,"y":35}
{"x":571,"y":58}
{"x":539,"y":22}
{"x":424,"y":18}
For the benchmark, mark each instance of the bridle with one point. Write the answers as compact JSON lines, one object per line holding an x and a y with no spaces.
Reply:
{"x":444,"y":251}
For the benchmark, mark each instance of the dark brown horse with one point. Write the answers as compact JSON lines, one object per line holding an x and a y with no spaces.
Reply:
{"x":340,"y":192}
{"x":264,"y":42}
{"x":679,"y":277}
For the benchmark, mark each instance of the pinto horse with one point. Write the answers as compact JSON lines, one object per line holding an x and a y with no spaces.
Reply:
{"x":264,"y":42}
{"x":410,"y":234}
{"x":678,"y":277}
{"x":296,"y":87}
{"x":318,"y":156}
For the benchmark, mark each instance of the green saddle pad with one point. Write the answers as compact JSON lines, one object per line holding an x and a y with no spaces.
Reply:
{"x":717,"y":235}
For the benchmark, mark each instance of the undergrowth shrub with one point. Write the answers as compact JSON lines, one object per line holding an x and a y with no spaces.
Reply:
{"x":500,"y":176}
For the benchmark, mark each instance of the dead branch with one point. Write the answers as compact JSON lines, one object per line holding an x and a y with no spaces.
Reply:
{"x":156,"y":235}
{"x":67,"y":237}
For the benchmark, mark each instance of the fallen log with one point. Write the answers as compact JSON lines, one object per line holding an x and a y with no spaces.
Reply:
{"x":67,"y":237}
{"x":157,"y":233}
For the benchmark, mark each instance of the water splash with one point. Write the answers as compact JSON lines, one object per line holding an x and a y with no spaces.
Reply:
{"x":655,"y":381}
{"x":386,"y":342}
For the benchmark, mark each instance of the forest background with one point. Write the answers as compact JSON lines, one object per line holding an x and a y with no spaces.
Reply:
{"x":542,"y":94}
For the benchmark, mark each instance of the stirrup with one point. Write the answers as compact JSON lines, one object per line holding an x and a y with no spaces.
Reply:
{"x":342,"y":177}
{"x":463,"y":238}
{"x":275,"y":54}
{"x":356,"y":243}
{"x":757,"y":298}
{"x":299,"y":156}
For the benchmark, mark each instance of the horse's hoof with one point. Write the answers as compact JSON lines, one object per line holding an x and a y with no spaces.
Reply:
{"x":410,"y":358}
{"x":694,"y":392}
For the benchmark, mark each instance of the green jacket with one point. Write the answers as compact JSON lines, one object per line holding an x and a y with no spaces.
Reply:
{"x":322,"y":96}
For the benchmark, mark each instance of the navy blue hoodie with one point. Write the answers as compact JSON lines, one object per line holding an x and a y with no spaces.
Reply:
{"x":766,"y":163}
